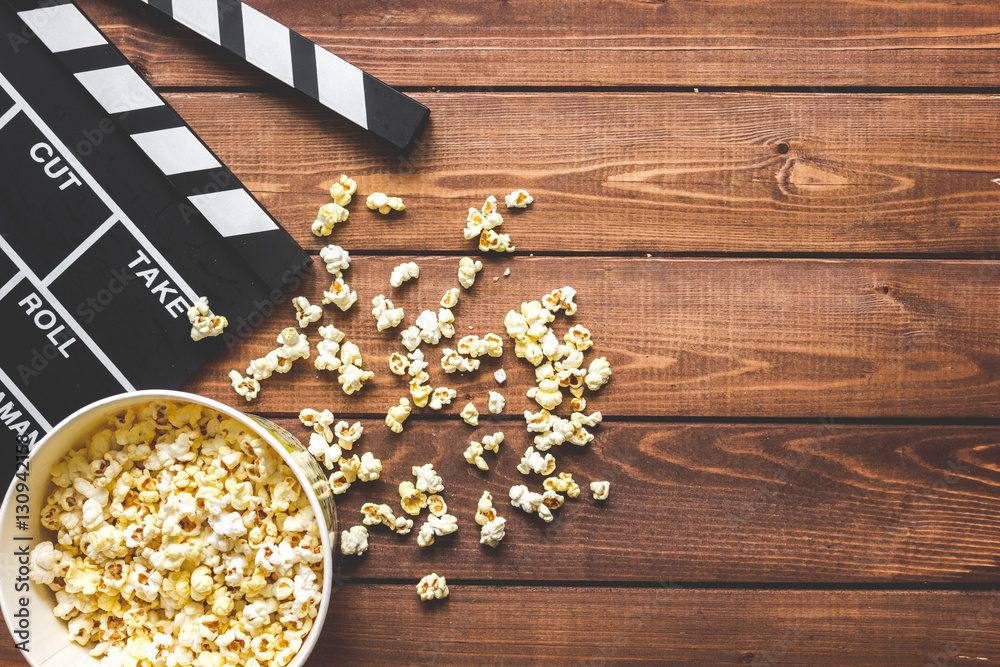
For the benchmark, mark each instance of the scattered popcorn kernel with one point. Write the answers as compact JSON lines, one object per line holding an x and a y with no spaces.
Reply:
{"x":578,"y":404}
{"x":506,"y":272}
{"x":328,"y":216}
{"x":436,"y":505}
{"x":500,"y":375}
{"x":337,"y":259}
{"x":354,"y":542}
{"x":326,"y":453}
{"x":432,"y":587}
{"x":428,"y":480}
{"x":452,"y":361}
{"x":484,"y":509}
{"x":493,"y":531}
{"x":374,"y":514}
{"x":496,"y":402}
{"x":534,"y":462}
{"x":398,"y":364}
{"x":563,"y":484}
{"x":552,"y":500}
{"x":446,"y":322}
{"x":474,"y":456}
{"x":204,"y":323}
{"x":347,"y":435}
{"x":411,"y":338}
{"x":450,"y":298}
{"x":328,"y":348}
{"x":518,"y":199}
{"x":342,"y":190}
{"x":386,"y":315}
{"x":340,"y":294}
{"x":546,"y":394}
{"x":404,"y":272}
{"x":560,"y":299}
{"x":417,"y":363}
{"x":370,"y":468}
{"x":403,"y":525}
{"x":320,"y":422}
{"x":441,"y":397}
{"x":352,"y":378}
{"x":579,"y":336}
{"x":490,"y":240}
{"x":491,"y":443}
{"x":247,"y":387}
{"x":410,"y":499}
{"x":470,"y":415}
{"x":598,"y":374}
{"x":527,"y":501}
{"x":383,"y":204}
{"x":419,"y":392}
{"x":305,"y":314}
{"x":467,"y":270}
{"x":397,"y":415}
{"x":600,"y":490}
{"x":430,"y":327}
{"x":436,"y":526}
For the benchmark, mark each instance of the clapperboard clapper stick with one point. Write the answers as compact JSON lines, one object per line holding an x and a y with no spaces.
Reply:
{"x":114,"y":219}
{"x":304,"y":65}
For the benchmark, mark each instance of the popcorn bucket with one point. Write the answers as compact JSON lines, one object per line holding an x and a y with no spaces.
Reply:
{"x":27,"y":607}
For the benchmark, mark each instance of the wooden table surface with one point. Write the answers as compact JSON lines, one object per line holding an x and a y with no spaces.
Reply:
{"x":781,"y":220}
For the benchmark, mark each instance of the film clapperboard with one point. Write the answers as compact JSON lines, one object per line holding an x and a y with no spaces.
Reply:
{"x":115,"y":216}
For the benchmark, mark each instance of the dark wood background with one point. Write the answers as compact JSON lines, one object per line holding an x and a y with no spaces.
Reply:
{"x":781,"y":218}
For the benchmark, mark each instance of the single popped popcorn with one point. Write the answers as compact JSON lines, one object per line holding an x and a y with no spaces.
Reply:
{"x":352,"y":378}
{"x":496,"y":402}
{"x":403,"y":525}
{"x":397,"y":415}
{"x":441,"y":397}
{"x":579,"y":336}
{"x":450,"y":298}
{"x":493,"y":531}
{"x":398,"y":363}
{"x":336,"y":258}
{"x":328,"y":348}
{"x":526,"y":500}
{"x":404,"y":272}
{"x":247,"y":387}
{"x":294,"y":346}
{"x":564,"y":483}
{"x":436,"y":505}
{"x":470,"y":415}
{"x":480,"y":220}
{"x":386,"y":315}
{"x":432,"y":587}
{"x":598,"y":374}
{"x":484,"y":509}
{"x":204,"y":323}
{"x":340,"y":294}
{"x":428,"y":480}
{"x":305,"y":314}
{"x":446,"y":322}
{"x":348,"y":435}
{"x":467,"y":270}
{"x":436,"y":526}
{"x":452,"y":361}
{"x":430,"y":327}
{"x":383,"y":204}
{"x":410,"y":499}
{"x":491,"y":443}
{"x":534,"y":462}
{"x":474,"y":456}
{"x":600,"y":490}
{"x":320,"y":422}
{"x":490,"y":240}
{"x":354,"y":542}
{"x":578,"y":404}
{"x":560,"y":299}
{"x":500,"y":375}
{"x":326,"y":453}
{"x":370,"y":468}
{"x":329,"y":215}
{"x":518,"y":199}
{"x":546,"y":394}
{"x":411,"y":337}
{"x":342,"y":190}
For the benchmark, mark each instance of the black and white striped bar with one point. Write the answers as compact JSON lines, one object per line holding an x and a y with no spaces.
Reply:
{"x":302,"y":64}
{"x":209,"y":186}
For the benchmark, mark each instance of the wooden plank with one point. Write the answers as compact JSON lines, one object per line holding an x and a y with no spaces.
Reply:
{"x":594,"y":43}
{"x":636,"y":172}
{"x":696,"y":337}
{"x":759,"y":504}
{"x":378,"y":625}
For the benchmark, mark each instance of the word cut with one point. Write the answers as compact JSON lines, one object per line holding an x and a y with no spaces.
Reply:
{"x":43,"y":153}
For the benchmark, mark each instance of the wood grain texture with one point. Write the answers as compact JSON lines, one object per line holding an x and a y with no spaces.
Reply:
{"x":597,"y":43}
{"x":388,"y":624}
{"x":635,"y":172}
{"x":755,"y":504}
{"x":695,"y":337}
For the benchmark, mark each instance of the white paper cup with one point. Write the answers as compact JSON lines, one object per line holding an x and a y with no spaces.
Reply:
{"x":48,"y":643}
